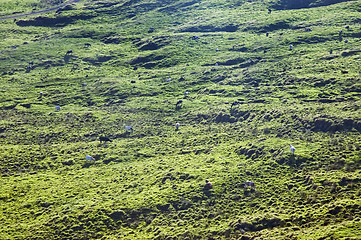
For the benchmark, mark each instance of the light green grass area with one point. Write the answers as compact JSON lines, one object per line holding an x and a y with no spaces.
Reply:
{"x":246,"y":93}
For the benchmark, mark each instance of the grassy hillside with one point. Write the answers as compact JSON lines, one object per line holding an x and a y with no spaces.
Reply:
{"x":256,"y":82}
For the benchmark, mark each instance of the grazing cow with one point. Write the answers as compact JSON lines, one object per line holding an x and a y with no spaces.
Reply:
{"x":208,"y":185}
{"x":90,"y":158}
{"x":346,"y":41}
{"x":69,"y":52}
{"x":267,"y":34}
{"x":250,"y":184}
{"x":179,"y":103}
{"x":291,"y":46}
{"x":129,"y":128}
{"x":104,"y":139}
{"x":269,"y":11}
{"x":177,"y":125}
{"x":347,"y":27}
{"x":186,"y":94}
{"x":293,"y":149}
{"x":57,"y":108}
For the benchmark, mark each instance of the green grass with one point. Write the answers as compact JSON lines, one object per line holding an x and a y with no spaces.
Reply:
{"x":149,"y":183}
{"x":10,"y":7}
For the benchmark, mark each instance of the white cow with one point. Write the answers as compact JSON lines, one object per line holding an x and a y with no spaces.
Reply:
{"x":293,"y":149}
{"x":90,"y":158}
{"x":129,"y":128}
{"x":250,"y":184}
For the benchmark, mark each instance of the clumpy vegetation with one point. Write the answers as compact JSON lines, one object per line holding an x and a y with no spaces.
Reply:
{"x":253,"y":77}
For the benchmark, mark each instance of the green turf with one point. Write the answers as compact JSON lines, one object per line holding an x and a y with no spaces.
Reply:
{"x":149,"y":183}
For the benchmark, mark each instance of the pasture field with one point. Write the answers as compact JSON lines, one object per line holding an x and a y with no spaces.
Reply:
{"x":11,"y":7}
{"x":257,"y":80}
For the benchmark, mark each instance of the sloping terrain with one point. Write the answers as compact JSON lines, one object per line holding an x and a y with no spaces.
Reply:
{"x":253,"y":77}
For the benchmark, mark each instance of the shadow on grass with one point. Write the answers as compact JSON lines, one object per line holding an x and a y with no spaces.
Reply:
{"x":208,"y":192}
{"x":292,"y":160}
